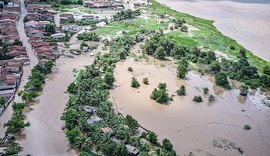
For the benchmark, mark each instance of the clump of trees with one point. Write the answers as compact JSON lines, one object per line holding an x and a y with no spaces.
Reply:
{"x":135,"y":83}
{"x":181,"y":91}
{"x":222,"y":80}
{"x":197,"y":99}
{"x":126,"y":14}
{"x":160,"y":94}
{"x":88,"y":36}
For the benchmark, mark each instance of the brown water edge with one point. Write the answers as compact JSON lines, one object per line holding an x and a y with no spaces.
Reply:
{"x":190,"y":126}
{"x":44,"y":136}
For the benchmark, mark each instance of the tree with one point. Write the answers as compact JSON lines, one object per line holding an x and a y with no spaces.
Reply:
{"x":50,"y":28}
{"x":159,"y":53}
{"x":152,"y":137}
{"x":130,"y":69}
{"x":222,"y":80}
{"x":197,"y":99}
{"x":72,"y":135}
{"x":2,"y":101}
{"x":28,"y":95}
{"x":131,"y":122}
{"x":135,"y":83}
{"x":167,"y":145}
{"x":181,"y":91}
{"x":266,"y":69}
{"x":145,"y":81}
{"x":13,"y":149}
{"x":244,"y":90}
{"x":109,"y":78}
{"x":215,"y":67}
{"x":181,"y":71}
{"x":71,"y":118}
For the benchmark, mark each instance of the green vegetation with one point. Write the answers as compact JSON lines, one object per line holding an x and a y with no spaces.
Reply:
{"x":135,"y":83}
{"x":197,"y":99}
{"x":88,"y":36}
{"x":247,"y":127}
{"x":50,"y":28}
{"x":244,"y":90}
{"x":222,"y":80}
{"x":145,"y":81}
{"x":160,"y":95}
{"x":181,"y":91}
{"x":126,"y":14}
{"x":2,"y":101}
{"x":130,"y":69}
{"x":211,"y":98}
{"x":90,"y":89}
{"x":205,"y":90}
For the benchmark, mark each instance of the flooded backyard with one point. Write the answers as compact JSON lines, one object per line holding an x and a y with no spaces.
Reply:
{"x":193,"y":127}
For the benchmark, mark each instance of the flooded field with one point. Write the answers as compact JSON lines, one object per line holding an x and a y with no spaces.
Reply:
{"x":246,"y":21}
{"x":193,"y":127}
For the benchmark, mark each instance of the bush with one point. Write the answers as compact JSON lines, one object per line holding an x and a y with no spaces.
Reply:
{"x":145,"y":81}
{"x":134,"y":83}
{"x":211,"y":98}
{"x":181,"y":91}
{"x":244,"y":90}
{"x":184,"y":28}
{"x":197,"y":99}
{"x":205,"y":90}
{"x":130,"y":69}
{"x":247,"y":127}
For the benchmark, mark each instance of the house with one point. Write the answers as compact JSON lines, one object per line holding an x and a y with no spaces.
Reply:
{"x":32,"y":32}
{"x":8,"y":16}
{"x":58,"y":35}
{"x":31,"y":24}
{"x":32,"y":17}
{"x":15,"y":10}
{"x":71,"y":27}
{"x":8,"y":81}
{"x":106,"y":130}
{"x":40,"y":44}
{"x":132,"y":150}
{"x":89,"y":109}
{"x":90,"y":17}
{"x":115,"y":140}
{"x":9,"y":39}
{"x":66,"y":16}
{"x":93,"y":119}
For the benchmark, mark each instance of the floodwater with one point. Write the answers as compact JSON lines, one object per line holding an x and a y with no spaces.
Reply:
{"x":246,"y":21}
{"x":190,"y":126}
{"x":26,"y":69}
{"x":44,"y":136}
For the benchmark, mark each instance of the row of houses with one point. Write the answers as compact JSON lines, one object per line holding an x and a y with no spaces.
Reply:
{"x":13,"y":54}
{"x":104,"y":4}
{"x":38,"y":16}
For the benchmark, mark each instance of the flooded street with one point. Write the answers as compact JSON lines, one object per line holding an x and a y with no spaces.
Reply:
{"x":45,"y":134}
{"x":192,"y":127}
{"x":26,"y":69}
{"x":246,"y":21}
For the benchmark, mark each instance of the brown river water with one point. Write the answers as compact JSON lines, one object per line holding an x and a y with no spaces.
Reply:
{"x":246,"y":21}
{"x":190,"y":126}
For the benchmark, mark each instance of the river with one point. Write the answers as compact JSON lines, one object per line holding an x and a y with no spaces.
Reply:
{"x":246,"y":21}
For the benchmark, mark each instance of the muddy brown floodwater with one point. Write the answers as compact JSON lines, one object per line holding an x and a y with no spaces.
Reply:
{"x":190,"y":126}
{"x":44,"y":136}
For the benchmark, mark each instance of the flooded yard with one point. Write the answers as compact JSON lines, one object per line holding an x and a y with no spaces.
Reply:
{"x":193,"y":127}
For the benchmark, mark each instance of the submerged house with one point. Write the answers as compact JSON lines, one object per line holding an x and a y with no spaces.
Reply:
{"x":89,"y":109}
{"x":133,"y":151}
{"x":93,"y":119}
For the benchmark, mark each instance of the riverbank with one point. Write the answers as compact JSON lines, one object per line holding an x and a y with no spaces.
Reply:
{"x":245,"y":21}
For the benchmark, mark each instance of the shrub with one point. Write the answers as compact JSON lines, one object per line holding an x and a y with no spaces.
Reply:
{"x":130,"y":69}
{"x":134,"y":83}
{"x":211,"y":98}
{"x":244,"y":90}
{"x":184,"y":28}
{"x":247,"y":127}
{"x":205,"y":90}
{"x":197,"y":99}
{"x":145,"y":81}
{"x":181,"y":91}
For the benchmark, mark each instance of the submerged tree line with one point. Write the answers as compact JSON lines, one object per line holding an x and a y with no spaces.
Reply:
{"x":92,"y":124}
